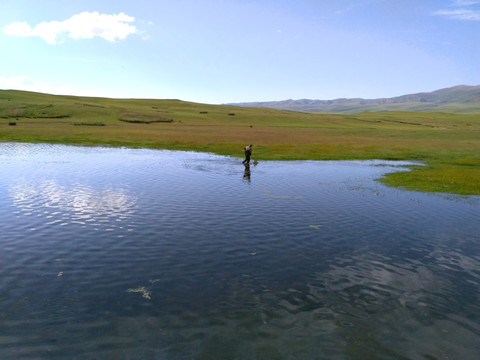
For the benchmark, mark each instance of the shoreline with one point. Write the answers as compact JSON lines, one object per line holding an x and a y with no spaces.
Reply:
{"x":448,"y":144}
{"x":393,"y":179}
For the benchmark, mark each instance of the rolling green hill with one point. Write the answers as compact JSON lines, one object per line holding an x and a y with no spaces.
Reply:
{"x":458,"y":99}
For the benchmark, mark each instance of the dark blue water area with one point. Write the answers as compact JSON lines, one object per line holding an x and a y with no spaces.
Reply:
{"x":144,"y":254}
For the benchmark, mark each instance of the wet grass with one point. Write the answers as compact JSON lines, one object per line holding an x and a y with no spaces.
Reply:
{"x":449,"y":144}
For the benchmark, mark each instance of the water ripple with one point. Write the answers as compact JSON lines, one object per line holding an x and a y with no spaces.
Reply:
{"x":80,"y":203}
{"x":306,"y":260}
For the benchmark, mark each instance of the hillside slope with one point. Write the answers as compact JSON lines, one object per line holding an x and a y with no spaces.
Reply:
{"x":457,"y":99}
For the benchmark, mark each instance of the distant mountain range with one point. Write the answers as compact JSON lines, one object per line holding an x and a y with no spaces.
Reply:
{"x":457,"y":99}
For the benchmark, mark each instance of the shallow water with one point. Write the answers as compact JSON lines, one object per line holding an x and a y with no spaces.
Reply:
{"x":144,"y":254}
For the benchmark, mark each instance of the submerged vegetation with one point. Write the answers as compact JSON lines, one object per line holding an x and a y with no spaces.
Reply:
{"x":448,"y":144}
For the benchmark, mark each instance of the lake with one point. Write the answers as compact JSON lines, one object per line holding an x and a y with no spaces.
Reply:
{"x":114,"y":253}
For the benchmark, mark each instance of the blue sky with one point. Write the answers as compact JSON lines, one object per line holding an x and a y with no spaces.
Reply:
{"x":220,"y":51}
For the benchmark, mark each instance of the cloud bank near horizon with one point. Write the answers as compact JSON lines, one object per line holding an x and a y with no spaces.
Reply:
{"x":462,"y":12}
{"x":85,"y":25}
{"x":26,"y":83}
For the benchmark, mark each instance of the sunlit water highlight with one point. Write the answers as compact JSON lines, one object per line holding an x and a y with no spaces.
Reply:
{"x":143,"y":254}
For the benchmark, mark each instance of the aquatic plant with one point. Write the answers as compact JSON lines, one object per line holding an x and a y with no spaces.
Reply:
{"x":142,"y":290}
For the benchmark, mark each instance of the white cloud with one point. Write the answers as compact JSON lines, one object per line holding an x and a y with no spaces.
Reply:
{"x":466,"y":2}
{"x":460,"y":14}
{"x":18,"y":29}
{"x":26,"y":83}
{"x":16,"y":82}
{"x":463,"y":11}
{"x":85,"y":25}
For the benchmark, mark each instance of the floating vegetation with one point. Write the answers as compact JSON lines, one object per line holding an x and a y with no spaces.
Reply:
{"x":315,"y":226}
{"x":141,"y":290}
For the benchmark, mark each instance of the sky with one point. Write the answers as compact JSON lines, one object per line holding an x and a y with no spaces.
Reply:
{"x":224,"y":51}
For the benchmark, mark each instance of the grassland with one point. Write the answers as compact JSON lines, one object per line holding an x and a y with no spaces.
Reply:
{"x":449,"y":144}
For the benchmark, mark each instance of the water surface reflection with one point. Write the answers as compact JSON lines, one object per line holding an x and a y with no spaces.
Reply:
{"x":118,"y":253}
{"x":82,"y":203}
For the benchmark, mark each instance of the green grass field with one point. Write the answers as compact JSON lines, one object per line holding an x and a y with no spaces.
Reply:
{"x":449,"y":144}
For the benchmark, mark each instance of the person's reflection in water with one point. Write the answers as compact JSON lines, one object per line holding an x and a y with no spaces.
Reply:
{"x":246,"y":174}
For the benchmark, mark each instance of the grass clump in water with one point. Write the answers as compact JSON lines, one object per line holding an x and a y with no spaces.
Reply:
{"x":141,"y":290}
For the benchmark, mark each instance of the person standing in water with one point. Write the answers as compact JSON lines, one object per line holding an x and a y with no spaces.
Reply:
{"x":248,"y":153}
